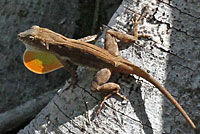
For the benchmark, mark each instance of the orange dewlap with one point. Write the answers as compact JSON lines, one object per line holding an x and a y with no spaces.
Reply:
{"x":41,"y":62}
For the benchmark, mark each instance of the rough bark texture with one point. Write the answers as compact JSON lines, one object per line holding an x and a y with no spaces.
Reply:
{"x":172,"y":58}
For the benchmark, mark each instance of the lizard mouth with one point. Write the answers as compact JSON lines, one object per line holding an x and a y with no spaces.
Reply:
{"x":21,"y":36}
{"x":26,"y":35}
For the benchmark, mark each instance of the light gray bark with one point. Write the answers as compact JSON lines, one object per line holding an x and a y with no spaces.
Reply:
{"x":172,"y":57}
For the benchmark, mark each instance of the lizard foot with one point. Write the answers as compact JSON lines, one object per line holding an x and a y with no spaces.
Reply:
{"x":109,"y":95}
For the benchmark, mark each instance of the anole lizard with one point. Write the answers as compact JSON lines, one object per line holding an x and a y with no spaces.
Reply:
{"x":47,"y":51}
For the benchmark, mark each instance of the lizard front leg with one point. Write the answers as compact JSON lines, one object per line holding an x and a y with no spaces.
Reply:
{"x":100,"y":84}
{"x":111,"y":44}
{"x":68,"y":66}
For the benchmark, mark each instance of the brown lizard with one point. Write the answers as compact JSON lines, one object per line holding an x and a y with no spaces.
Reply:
{"x":47,"y":51}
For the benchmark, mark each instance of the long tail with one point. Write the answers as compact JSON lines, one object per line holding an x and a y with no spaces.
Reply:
{"x":133,"y":69}
{"x":171,"y":98}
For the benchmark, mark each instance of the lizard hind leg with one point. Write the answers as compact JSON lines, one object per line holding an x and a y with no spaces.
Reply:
{"x":101,"y":84}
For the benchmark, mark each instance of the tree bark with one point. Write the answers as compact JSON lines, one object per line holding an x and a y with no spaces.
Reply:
{"x":171,"y":56}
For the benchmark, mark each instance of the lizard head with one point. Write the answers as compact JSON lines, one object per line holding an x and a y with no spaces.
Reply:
{"x":40,"y":38}
{"x":37,"y":57}
{"x":30,"y":33}
{"x":30,"y":38}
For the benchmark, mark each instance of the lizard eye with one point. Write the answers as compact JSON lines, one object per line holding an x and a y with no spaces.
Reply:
{"x":31,"y":37}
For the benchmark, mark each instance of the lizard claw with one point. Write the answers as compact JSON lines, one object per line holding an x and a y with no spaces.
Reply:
{"x":109,"y":95}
